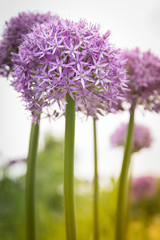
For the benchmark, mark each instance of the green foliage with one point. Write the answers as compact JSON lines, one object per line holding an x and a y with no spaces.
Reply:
{"x":11,"y":209}
{"x":50,"y":209}
{"x":49,"y":179}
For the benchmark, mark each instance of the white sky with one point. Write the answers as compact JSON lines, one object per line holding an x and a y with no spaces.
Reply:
{"x":132,"y":23}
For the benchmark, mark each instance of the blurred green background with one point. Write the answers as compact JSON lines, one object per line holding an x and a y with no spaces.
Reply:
{"x":143,"y":218}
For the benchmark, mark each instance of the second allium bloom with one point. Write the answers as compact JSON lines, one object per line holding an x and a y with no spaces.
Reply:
{"x":62,"y":56}
{"x":143,"y":70}
{"x":13,"y":34}
{"x":141,"y":137}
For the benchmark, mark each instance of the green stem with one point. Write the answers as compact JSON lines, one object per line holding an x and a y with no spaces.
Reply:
{"x":69,"y":202}
{"x":30,"y":183}
{"x":96,"y":215}
{"x":128,"y":194}
{"x":123,"y":184}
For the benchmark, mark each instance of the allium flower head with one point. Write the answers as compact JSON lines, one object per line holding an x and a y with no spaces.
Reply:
{"x":141,"y":137}
{"x":12,"y":36}
{"x":143,"y":188}
{"x":61,"y":56}
{"x":143,"y":69}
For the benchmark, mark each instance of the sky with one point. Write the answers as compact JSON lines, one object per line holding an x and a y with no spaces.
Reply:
{"x":132,"y":24}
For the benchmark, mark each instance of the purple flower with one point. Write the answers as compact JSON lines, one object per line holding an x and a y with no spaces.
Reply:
{"x":61,"y":56}
{"x":143,"y":71}
{"x":12,"y":36}
{"x":141,"y":138}
{"x":143,"y":188}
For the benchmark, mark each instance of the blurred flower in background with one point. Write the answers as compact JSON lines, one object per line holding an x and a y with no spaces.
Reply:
{"x":142,"y":137}
{"x":143,"y":188}
{"x":15,"y":161}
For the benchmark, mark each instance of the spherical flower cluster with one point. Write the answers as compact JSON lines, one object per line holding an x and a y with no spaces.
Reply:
{"x":62,"y":57}
{"x":141,"y":137}
{"x":143,"y":71}
{"x":13,"y":35}
{"x":143,"y":188}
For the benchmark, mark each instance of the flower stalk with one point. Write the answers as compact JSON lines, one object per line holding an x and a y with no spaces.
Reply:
{"x":69,"y":201}
{"x":96,"y":213}
{"x":122,"y":202}
{"x":30,"y":183}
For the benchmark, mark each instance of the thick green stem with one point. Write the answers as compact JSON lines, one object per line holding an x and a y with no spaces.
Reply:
{"x":123,"y":184}
{"x":96,"y":215}
{"x":69,"y":202}
{"x":30,"y":183}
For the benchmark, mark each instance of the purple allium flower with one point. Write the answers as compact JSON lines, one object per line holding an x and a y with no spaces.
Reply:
{"x":143,"y":71}
{"x":12,"y":36}
{"x":143,"y":188}
{"x":141,"y":138}
{"x":61,"y":56}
